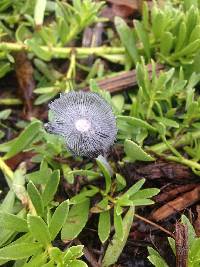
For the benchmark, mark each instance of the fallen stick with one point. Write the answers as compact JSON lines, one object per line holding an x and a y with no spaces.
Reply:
{"x":123,"y":80}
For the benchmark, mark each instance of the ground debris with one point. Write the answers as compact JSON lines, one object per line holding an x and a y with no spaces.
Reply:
{"x":171,"y":191}
{"x":181,"y":239}
{"x":176,"y":205}
{"x":24,"y":74}
{"x":123,"y":80}
{"x":159,"y":170}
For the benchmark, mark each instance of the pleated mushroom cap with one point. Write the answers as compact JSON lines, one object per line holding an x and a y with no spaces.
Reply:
{"x":85,"y":120}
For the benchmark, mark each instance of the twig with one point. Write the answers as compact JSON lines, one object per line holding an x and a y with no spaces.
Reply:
{"x":64,"y":52}
{"x":155,"y":225}
{"x":123,"y":80}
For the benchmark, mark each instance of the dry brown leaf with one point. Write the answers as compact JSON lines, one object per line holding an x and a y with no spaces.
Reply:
{"x":24,"y":73}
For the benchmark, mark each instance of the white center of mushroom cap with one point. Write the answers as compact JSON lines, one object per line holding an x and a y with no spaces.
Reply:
{"x":82,"y":125}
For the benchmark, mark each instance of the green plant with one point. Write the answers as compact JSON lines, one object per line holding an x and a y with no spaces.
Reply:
{"x":38,"y":224}
{"x":164,"y":107}
{"x":55,"y":200}
{"x":169,"y":33}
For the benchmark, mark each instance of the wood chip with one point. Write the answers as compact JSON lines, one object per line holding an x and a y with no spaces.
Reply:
{"x":171,"y":193}
{"x":176,"y":205}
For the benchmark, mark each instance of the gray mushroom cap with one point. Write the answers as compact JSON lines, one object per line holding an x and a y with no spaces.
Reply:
{"x":86,"y":122}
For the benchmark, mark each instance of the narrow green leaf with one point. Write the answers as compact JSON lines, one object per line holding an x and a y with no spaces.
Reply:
{"x":191,"y":231}
{"x":38,"y":50}
{"x":118,"y":103}
{"x":63,"y":30}
{"x":119,"y":231}
{"x":195,"y":34}
{"x":143,"y":36}
{"x":25,"y":238}
{"x":76,"y":220}
{"x":104,"y":225}
{"x":39,"y":230}
{"x":49,"y":264}
{"x":105,"y":168}
{"x":136,"y":122}
{"x":4,"y":114}
{"x":19,"y":251}
{"x":88,"y":173}
{"x":8,"y":202}
{"x":181,"y":36}
{"x":133,"y":189}
{"x":36,"y":198}
{"x":142,"y":202}
{"x":189,"y":49}
{"x":120,"y":181}
{"x":44,"y":98}
{"x":145,"y":193}
{"x":192,"y":15}
{"x":51,"y":188}
{"x":7,"y":206}
{"x":84,"y":195}
{"x":167,"y":122}
{"x":73,"y":252}
{"x":135,"y":152}
{"x":13,"y":222}
{"x":18,"y":185}
{"x":55,"y":253}
{"x":116,"y":246}
{"x":4,"y":69}
{"x":145,"y":15}
{"x":39,"y":12}
{"x":127,"y":38}
{"x":58,"y":219}
{"x":78,"y":263}
{"x":157,"y":261}
{"x":195,"y":250}
{"x":172,"y":244}
{"x":24,"y":140}
{"x":166,"y":43}
{"x":37,"y":260}
{"x":158,"y":21}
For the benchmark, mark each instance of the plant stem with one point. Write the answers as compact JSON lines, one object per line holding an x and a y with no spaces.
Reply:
{"x":10,"y":101}
{"x":64,"y":52}
{"x":149,"y":108}
{"x":155,"y":225}
{"x":9,"y":175}
{"x":183,"y":140}
{"x":72,"y":67}
{"x":190,"y":163}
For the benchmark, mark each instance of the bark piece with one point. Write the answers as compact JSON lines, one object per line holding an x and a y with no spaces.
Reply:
{"x":176,"y":205}
{"x":123,"y":80}
{"x":181,"y":238}
{"x":171,"y":193}
{"x":158,"y":170}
